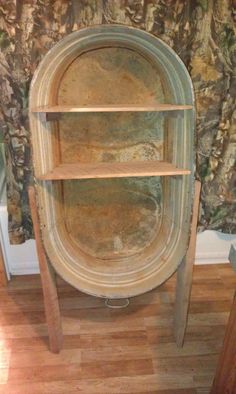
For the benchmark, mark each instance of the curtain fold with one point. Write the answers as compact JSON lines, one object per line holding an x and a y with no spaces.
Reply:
{"x":201,"y":32}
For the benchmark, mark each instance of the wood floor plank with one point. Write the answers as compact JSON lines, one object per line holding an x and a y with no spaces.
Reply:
{"x":49,"y":388}
{"x":118,"y":353}
{"x":3,"y":377}
{"x":31,"y":344}
{"x":210,"y":306}
{"x":171,"y":391}
{"x":194,"y":348}
{"x":124,"y":385}
{"x":125,"y":338}
{"x":202,"y":390}
{"x":45,"y":357}
{"x":22,"y":331}
{"x":204,"y":380}
{"x":4,"y":358}
{"x":107,"y":351}
{"x":193,"y":333}
{"x":75,"y":371}
{"x":195,"y":365}
{"x":22,"y":318}
{"x":108,"y":326}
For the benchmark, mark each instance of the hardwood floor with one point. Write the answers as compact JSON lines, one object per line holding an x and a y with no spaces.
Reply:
{"x":114,"y":351}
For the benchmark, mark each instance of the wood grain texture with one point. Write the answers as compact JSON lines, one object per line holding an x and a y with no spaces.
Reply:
{"x":3,"y":275}
{"x":51,"y":304}
{"x":105,"y":351}
{"x":113,"y":170}
{"x":184,"y":275}
{"x":112,"y":108}
{"x":225,"y":377}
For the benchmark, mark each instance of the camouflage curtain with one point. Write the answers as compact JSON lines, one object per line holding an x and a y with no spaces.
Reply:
{"x":202,"y":32}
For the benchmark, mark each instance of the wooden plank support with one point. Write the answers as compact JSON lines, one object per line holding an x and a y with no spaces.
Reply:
{"x":49,"y":116}
{"x":232,"y":256}
{"x":225,"y":377}
{"x":3,"y":274}
{"x":52,"y":116}
{"x":113,"y":108}
{"x":184,"y":276}
{"x":113,"y":170}
{"x":48,"y":279}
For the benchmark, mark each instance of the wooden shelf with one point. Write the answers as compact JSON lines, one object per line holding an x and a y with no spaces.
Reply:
{"x":112,"y":108}
{"x":113,"y":170}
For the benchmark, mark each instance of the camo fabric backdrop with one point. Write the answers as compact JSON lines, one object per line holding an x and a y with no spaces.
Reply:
{"x":202,"y":32}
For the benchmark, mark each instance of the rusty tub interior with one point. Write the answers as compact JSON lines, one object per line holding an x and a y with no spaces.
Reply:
{"x":112,"y":123}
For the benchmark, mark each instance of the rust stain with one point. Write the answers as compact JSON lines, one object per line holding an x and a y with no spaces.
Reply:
{"x":110,"y":218}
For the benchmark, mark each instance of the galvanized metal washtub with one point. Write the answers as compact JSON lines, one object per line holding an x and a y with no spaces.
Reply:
{"x":113,"y":237}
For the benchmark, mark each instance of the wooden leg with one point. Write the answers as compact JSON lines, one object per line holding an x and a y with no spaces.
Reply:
{"x":184,"y":276}
{"x":225,"y":377}
{"x":51,"y":303}
{"x":3,"y":274}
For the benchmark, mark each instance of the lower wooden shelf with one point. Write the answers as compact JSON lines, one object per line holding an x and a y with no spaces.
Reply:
{"x":112,"y":108}
{"x":113,"y":170}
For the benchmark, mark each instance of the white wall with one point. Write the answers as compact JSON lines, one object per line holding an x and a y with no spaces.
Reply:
{"x":212,"y":247}
{"x":20,"y":259}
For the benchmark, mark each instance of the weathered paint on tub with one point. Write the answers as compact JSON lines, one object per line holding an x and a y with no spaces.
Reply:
{"x":113,"y":237}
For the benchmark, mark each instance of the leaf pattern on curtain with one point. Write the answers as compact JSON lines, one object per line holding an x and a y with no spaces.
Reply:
{"x":202,"y":33}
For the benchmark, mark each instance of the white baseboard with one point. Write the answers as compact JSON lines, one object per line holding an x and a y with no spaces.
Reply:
{"x":212,"y":247}
{"x":19,"y":259}
{"x":212,"y":258}
{"x":28,"y":268}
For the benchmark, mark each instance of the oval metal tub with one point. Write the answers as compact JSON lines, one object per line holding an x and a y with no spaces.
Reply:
{"x":117,"y":236}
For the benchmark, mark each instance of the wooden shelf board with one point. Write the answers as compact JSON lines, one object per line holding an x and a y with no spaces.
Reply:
{"x":113,"y":170}
{"x":112,"y":108}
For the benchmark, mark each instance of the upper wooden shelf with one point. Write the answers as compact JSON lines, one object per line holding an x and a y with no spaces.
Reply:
{"x":113,"y":170}
{"x":112,"y":108}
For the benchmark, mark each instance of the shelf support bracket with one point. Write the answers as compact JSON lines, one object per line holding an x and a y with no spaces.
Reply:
{"x":51,"y":116}
{"x":184,"y":275}
{"x":48,"y":279}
